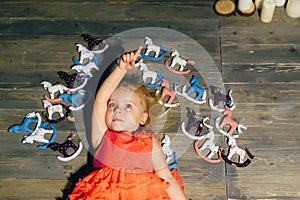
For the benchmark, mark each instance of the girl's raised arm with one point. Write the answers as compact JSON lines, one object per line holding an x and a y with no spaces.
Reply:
{"x":126,"y":62}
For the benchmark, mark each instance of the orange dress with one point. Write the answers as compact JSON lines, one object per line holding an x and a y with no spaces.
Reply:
{"x":126,"y":170}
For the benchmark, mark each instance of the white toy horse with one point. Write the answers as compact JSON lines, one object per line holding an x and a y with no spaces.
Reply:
{"x":38,"y":136}
{"x":88,"y":54}
{"x":209,"y":139}
{"x":51,"y":109}
{"x":209,"y":144}
{"x":166,"y":143}
{"x":150,"y":47}
{"x":53,"y":89}
{"x":146,"y":72}
{"x":176,"y":59}
{"x":235,"y":150}
{"x":86,"y":68}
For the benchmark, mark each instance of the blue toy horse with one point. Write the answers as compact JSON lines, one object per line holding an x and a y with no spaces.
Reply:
{"x":200,"y":92}
{"x":73,"y":98}
{"x":24,"y":126}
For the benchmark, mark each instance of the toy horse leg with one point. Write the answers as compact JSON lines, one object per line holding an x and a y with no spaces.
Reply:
{"x":61,"y":114}
{"x":211,"y":154}
{"x":198,"y":97}
{"x":230,"y":155}
{"x":147,"y":52}
{"x":181,"y":68}
{"x":242,"y":156}
{"x":53,"y":146}
{"x":189,"y":91}
{"x":172,"y":97}
{"x":168,"y":92}
{"x":240,"y":127}
{"x":50,"y":113}
{"x":231,"y":130}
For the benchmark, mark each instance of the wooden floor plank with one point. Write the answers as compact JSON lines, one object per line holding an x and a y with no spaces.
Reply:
{"x":107,"y":11}
{"x":258,"y":61}
{"x":263,"y":186}
{"x":31,"y":188}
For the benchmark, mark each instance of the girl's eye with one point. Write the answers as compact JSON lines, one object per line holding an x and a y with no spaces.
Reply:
{"x":112,"y":105}
{"x":129,"y":106}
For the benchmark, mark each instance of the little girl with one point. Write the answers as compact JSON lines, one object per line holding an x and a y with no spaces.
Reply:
{"x":131,"y":161}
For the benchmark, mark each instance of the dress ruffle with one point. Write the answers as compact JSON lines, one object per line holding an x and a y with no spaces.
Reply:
{"x":112,"y":184}
{"x":178,"y":178}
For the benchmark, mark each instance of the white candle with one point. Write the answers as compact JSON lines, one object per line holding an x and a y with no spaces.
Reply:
{"x":244,"y":5}
{"x":267,"y":11}
{"x":258,"y":4}
{"x":279,"y":2}
{"x":293,"y":8}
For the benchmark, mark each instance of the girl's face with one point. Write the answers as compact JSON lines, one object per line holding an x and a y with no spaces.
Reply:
{"x":125,"y":111}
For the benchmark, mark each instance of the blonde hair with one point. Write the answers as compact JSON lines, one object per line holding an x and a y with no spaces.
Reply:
{"x":148,"y":100}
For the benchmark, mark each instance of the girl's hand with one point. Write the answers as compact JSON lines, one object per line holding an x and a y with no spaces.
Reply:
{"x":127,"y":61}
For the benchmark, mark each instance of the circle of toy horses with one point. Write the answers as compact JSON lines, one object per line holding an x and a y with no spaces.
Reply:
{"x":89,"y":59}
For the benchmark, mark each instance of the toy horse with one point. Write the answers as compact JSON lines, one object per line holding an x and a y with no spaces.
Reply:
{"x":39,"y":135}
{"x":63,"y":148}
{"x":86,"y":69}
{"x":178,"y":60}
{"x":234,"y":149}
{"x":194,"y":88}
{"x":92,"y":42}
{"x":208,"y":144}
{"x":150,"y":47}
{"x":167,"y":92}
{"x":86,"y":54}
{"x":53,"y":89}
{"x":69,"y":78}
{"x":227,"y":120}
{"x":32,"y":117}
{"x":219,"y":97}
{"x":148,"y":74}
{"x":171,"y":157}
{"x":193,"y":122}
{"x":58,"y":108}
{"x":72,"y":98}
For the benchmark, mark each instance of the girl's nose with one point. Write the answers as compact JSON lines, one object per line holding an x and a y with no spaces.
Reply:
{"x":117,"y":110}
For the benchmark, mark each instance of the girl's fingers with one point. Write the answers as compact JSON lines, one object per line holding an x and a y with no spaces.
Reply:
{"x":137,"y":53}
{"x":127,"y":58}
{"x":130,"y":58}
{"x":124,"y":58}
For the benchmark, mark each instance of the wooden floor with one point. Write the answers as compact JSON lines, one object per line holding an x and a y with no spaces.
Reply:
{"x":259,"y":62}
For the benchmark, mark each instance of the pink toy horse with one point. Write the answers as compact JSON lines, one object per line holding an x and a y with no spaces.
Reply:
{"x":166,"y":91}
{"x":227,"y":120}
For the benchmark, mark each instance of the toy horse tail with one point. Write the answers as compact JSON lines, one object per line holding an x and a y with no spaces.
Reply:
{"x":249,"y":153}
{"x":191,"y":62}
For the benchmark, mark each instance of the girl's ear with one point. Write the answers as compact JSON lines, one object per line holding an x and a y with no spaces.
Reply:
{"x":144,"y":118}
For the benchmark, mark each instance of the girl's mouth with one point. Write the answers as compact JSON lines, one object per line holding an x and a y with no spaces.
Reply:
{"x":117,"y":120}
